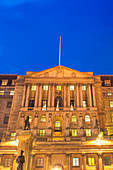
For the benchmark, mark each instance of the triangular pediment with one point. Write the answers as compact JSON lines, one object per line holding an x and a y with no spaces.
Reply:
{"x":59,"y":72}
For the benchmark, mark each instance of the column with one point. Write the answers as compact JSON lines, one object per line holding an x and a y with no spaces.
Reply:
{"x":49,"y":95}
{"x":47,"y":161}
{"x":23,"y":99}
{"x":84,"y":161}
{"x":64,"y":95}
{"x":94,"y":99}
{"x":27,"y":96}
{"x":100,"y":161}
{"x":77,"y":96}
{"x":68,"y":161}
{"x":36,"y":96}
{"x":40,"y":96}
{"x":90,"y":98}
{"x":81,"y":97}
{"x":68,"y":96}
{"x":53,"y":95}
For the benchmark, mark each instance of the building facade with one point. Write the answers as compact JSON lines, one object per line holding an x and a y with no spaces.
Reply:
{"x":70,"y":120}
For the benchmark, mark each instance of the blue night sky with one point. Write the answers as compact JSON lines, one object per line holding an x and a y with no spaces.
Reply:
{"x":30,"y":31}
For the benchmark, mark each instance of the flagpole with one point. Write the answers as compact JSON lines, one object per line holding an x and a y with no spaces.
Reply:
{"x":59,"y":50}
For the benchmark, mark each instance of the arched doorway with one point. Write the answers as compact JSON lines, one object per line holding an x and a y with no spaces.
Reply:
{"x":57,"y":167}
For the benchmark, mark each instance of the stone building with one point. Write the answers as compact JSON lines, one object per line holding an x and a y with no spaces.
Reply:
{"x":67,"y":114}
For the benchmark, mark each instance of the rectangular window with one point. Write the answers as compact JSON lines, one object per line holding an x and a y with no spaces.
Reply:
{"x":88,"y":132}
{"x":74,"y":118}
{"x":7,"y":162}
{"x":75,"y":161}
{"x":45,"y":88}
{"x":91,"y":161}
{"x":84,"y":88}
{"x":106,"y":160}
{"x":9,"y":104}
{"x":84,"y":103}
{"x":111,"y":103}
{"x":57,"y":125}
{"x":58,"y":88}
{"x":44,"y":104}
{"x":1,"y":92}
{"x":71,"y":88}
{"x":74,"y":132}
{"x":33,"y":88}
{"x":4,"y":82}
{"x":31,"y":103}
{"x":109,"y":93}
{"x":6,"y":118}
{"x":42,"y":132}
{"x":107,"y":82}
{"x":13,"y":133}
{"x":39,"y":162}
{"x":11,"y":93}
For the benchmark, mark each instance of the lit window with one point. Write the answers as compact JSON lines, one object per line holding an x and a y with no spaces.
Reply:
{"x":45,"y":88}
{"x":30,"y":119}
{"x":71,"y":88}
{"x":74,"y":132}
{"x":109,"y":93}
{"x":39,"y":162}
{"x":111,"y":103}
{"x":13,"y":133}
{"x":42,"y":132}
{"x":75,"y":161}
{"x":7,"y":162}
{"x":106,"y":160}
{"x":4,"y":82}
{"x":74,"y":118}
{"x":1,"y":92}
{"x":112,"y":117}
{"x":11,"y":93}
{"x":87,"y":118}
{"x":33,"y":87}
{"x":6,"y":118}
{"x":91,"y":161}
{"x":84,"y":103}
{"x":9,"y":104}
{"x":88,"y":132}
{"x":58,"y":88}
{"x":84,"y":88}
{"x":57,"y":125}
{"x":44,"y":104}
{"x":43,"y":118}
{"x":107,"y":82}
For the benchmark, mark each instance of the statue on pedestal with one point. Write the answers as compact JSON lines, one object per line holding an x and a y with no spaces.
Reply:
{"x":20,"y":160}
{"x":27,"y":124}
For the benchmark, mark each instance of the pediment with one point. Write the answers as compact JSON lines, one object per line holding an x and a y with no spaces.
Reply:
{"x":59,"y":72}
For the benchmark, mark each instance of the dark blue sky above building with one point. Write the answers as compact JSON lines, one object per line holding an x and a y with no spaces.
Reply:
{"x":30,"y":31}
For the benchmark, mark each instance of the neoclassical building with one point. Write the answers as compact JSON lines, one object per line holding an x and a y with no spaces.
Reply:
{"x":71,"y":121}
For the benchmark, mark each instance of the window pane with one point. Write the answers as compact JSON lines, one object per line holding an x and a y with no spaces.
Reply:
{"x":4,"y":82}
{"x":1,"y":92}
{"x":6,"y":118}
{"x":75,"y":161}
{"x":74,"y":119}
{"x":88,"y":132}
{"x":39,"y":162}
{"x":7,"y":162}
{"x":84,"y":88}
{"x":91,"y":161}
{"x":57,"y":125}
{"x":111,"y":103}
{"x":45,"y":88}
{"x":71,"y":88}
{"x":13,"y":133}
{"x":33,"y":87}
{"x":74,"y":132}
{"x":84,"y":103}
{"x":107,"y":160}
{"x":42,"y":132}
{"x":43,"y":118}
{"x":87,"y":118}
{"x":9,"y":104}
{"x":11,"y":93}
{"x":58,"y":88}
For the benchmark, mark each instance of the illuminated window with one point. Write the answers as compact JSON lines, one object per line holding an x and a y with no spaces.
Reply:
{"x":1,"y":92}
{"x":39,"y":162}
{"x":71,"y":88}
{"x":109,"y":93}
{"x":74,"y":132}
{"x":91,"y":161}
{"x":9,"y":104}
{"x":45,"y":88}
{"x":43,"y":118}
{"x":75,"y":161}
{"x":6,"y":118}
{"x":13,"y":133}
{"x":74,"y":118}
{"x":44,"y":104}
{"x":101,"y":132}
{"x":111,"y":103}
{"x":106,"y":160}
{"x":72,"y":103}
{"x":58,"y":88}
{"x":88,"y":132}
{"x":42,"y":132}
{"x":30,"y":119}
{"x":11,"y":93}
{"x":84,"y":88}
{"x":7,"y":162}
{"x":87,"y":118}
{"x":84,"y":103}
{"x":57,"y":125}
{"x":33,"y":87}
{"x":107,"y":82}
{"x":112,"y":117}
{"x":4,"y":82}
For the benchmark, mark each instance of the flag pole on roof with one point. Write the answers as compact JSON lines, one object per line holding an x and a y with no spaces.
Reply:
{"x":59,"y":50}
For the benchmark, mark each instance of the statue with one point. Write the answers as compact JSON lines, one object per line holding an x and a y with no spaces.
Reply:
{"x":20,"y":160}
{"x":27,"y":124}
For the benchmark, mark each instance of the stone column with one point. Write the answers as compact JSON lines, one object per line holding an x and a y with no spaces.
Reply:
{"x":36,"y":96}
{"x":94,"y":99}
{"x":100,"y":161}
{"x":53,"y":95}
{"x":49,"y":95}
{"x":40,"y":96}
{"x":69,"y":161}
{"x":90,"y":98}
{"x":23,"y":99}
{"x":47,"y":161}
{"x":77,"y":96}
{"x":27,"y":96}
{"x":64,"y":95}
{"x":84,"y":161}
{"x":81,"y":97}
{"x":68,"y":96}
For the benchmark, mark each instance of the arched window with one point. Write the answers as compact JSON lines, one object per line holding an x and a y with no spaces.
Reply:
{"x":87,"y":118}
{"x":74,"y":118}
{"x":43,"y":118}
{"x":58,"y":102}
{"x":57,"y":126}
{"x":30,"y":119}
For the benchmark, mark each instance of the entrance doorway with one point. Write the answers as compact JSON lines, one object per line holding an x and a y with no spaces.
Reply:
{"x":58,"y":167}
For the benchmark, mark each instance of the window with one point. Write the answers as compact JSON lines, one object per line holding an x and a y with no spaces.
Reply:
{"x":13,"y":82}
{"x":91,"y":161}
{"x":58,"y":88}
{"x":84,"y":103}
{"x":1,"y":92}
{"x":112,"y":117}
{"x":42,"y":132}
{"x":43,"y":118}
{"x":45,"y":88}
{"x":33,"y":88}
{"x":87,"y":118}
{"x":44,"y":104}
{"x":6,"y":118}
{"x":83,"y":88}
{"x":111,"y":103}
{"x":75,"y":161}
{"x":74,"y":132}
{"x":74,"y":118}
{"x":107,"y":82}
{"x":31,"y":103}
{"x":13,"y":133}
{"x":11,"y":93}
{"x":71,"y":88}
{"x":7,"y":162}
{"x":106,"y":160}
{"x":72,"y":103}
{"x":4,"y":82}
{"x":57,"y":125}
{"x":30,"y":119}
{"x":88,"y":132}
{"x":9,"y":104}
{"x":109,"y":93}
{"x":39,"y":162}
